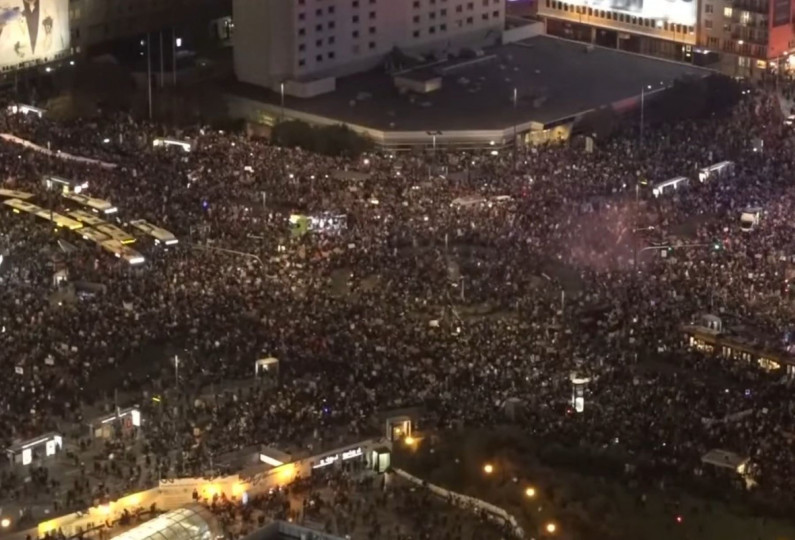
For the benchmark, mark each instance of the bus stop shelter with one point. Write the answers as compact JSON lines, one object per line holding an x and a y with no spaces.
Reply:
{"x":25,"y":452}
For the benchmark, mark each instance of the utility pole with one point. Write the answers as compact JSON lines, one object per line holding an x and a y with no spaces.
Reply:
{"x":174,"y":56}
{"x":162,"y":68}
{"x":515,"y":142}
{"x":642,"y":110}
{"x":149,"y":73}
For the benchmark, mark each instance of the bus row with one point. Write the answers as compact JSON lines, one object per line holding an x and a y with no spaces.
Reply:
{"x":723,"y":169}
{"x":108,"y":236}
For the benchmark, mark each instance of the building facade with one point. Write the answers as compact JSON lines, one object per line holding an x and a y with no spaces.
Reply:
{"x":278,"y":41}
{"x":740,"y":37}
{"x":95,"y":22}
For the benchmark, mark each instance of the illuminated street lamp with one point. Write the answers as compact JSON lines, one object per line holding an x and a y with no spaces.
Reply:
{"x":551,"y":528}
{"x":5,"y":523}
{"x":409,"y":440}
{"x":488,"y":468}
{"x":530,"y":492}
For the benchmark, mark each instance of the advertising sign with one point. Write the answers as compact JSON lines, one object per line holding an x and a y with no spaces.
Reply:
{"x":672,"y":11}
{"x":32,"y":30}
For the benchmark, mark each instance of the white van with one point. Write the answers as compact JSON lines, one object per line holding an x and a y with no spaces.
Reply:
{"x":750,"y":218}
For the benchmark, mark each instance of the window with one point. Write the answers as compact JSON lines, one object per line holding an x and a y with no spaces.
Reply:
{"x":470,"y":6}
{"x":301,"y":62}
{"x":301,"y":32}
{"x":484,"y":16}
{"x":301,"y":47}
{"x":355,"y":18}
{"x":469,"y":20}
{"x":707,"y":23}
{"x":301,"y":16}
{"x":432,"y":30}
{"x":727,"y":12}
{"x":355,"y":34}
{"x":416,"y":33}
{"x":485,"y":3}
{"x":372,"y":15}
{"x":708,"y":8}
{"x":443,"y":12}
{"x":331,"y":55}
{"x":371,"y":45}
{"x":416,"y":4}
{"x":319,"y":43}
{"x":319,"y":58}
{"x":458,"y":9}
{"x":318,"y":12}
{"x":331,"y":40}
{"x":331,"y":25}
{"x":331,"y":9}
{"x":496,"y":14}
{"x":372,"y":30}
{"x":301,"y":2}
{"x":416,"y":19}
{"x":318,"y":28}
{"x":442,"y":28}
{"x":355,"y":3}
{"x":432,"y":15}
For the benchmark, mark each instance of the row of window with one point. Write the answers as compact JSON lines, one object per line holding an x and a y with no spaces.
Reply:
{"x":354,"y":3}
{"x":620,"y":17}
{"x":331,"y":55}
{"x":331,"y":25}
{"x":443,"y":13}
{"x":470,"y":5}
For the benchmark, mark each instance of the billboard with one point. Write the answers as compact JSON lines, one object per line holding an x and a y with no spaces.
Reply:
{"x":32,"y":30}
{"x":682,"y":12}
{"x":781,"y":12}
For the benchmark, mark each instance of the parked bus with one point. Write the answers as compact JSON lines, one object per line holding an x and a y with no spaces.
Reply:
{"x":160,"y":235}
{"x":160,"y":142}
{"x":13,"y":194}
{"x":100,"y":206}
{"x":116,"y":233}
{"x":664,"y":188}
{"x":723,"y":169}
{"x":86,"y":218}
{"x":66,"y":186}
{"x":123,"y":252}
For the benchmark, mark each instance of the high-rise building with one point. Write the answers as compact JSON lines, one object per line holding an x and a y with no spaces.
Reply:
{"x":280,"y":42}
{"x":738,"y":36}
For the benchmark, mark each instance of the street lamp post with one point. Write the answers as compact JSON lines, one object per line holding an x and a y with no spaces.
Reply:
{"x":642,"y":113}
{"x":433,"y":135}
{"x":515,"y":142}
{"x":281,"y":91}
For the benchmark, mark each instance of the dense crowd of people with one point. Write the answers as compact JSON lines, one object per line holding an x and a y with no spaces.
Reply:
{"x":419,"y":295}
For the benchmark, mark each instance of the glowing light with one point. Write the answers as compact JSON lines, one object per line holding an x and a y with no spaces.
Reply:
{"x":551,"y":528}
{"x":530,"y":492}
{"x":679,"y":519}
{"x":410,"y":440}
{"x":104,"y":509}
{"x":488,"y":468}
{"x":5,"y":523}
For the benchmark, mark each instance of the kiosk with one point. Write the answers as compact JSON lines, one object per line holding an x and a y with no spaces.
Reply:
{"x":267,"y":368}
{"x":121,"y":422}
{"x":578,"y":385}
{"x":24,"y":452}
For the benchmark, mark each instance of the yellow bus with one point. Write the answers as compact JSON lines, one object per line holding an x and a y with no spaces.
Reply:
{"x":93,"y":235}
{"x":160,"y":235}
{"x":116,"y":233}
{"x":20,"y":206}
{"x":99,"y":206}
{"x":13,"y":194}
{"x":86,"y":218}
{"x":59,"y":220}
{"x":122,"y":252}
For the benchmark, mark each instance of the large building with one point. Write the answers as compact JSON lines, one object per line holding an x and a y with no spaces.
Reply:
{"x":740,"y":37}
{"x":300,"y":46}
{"x":94,"y":22}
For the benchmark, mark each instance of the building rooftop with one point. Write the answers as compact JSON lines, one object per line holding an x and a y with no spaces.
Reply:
{"x":555,"y":79}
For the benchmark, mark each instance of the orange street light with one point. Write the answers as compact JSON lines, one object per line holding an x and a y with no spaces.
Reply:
{"x":551,"y":528}
{"x":488,"y":468}
{"x":530,"y":492}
